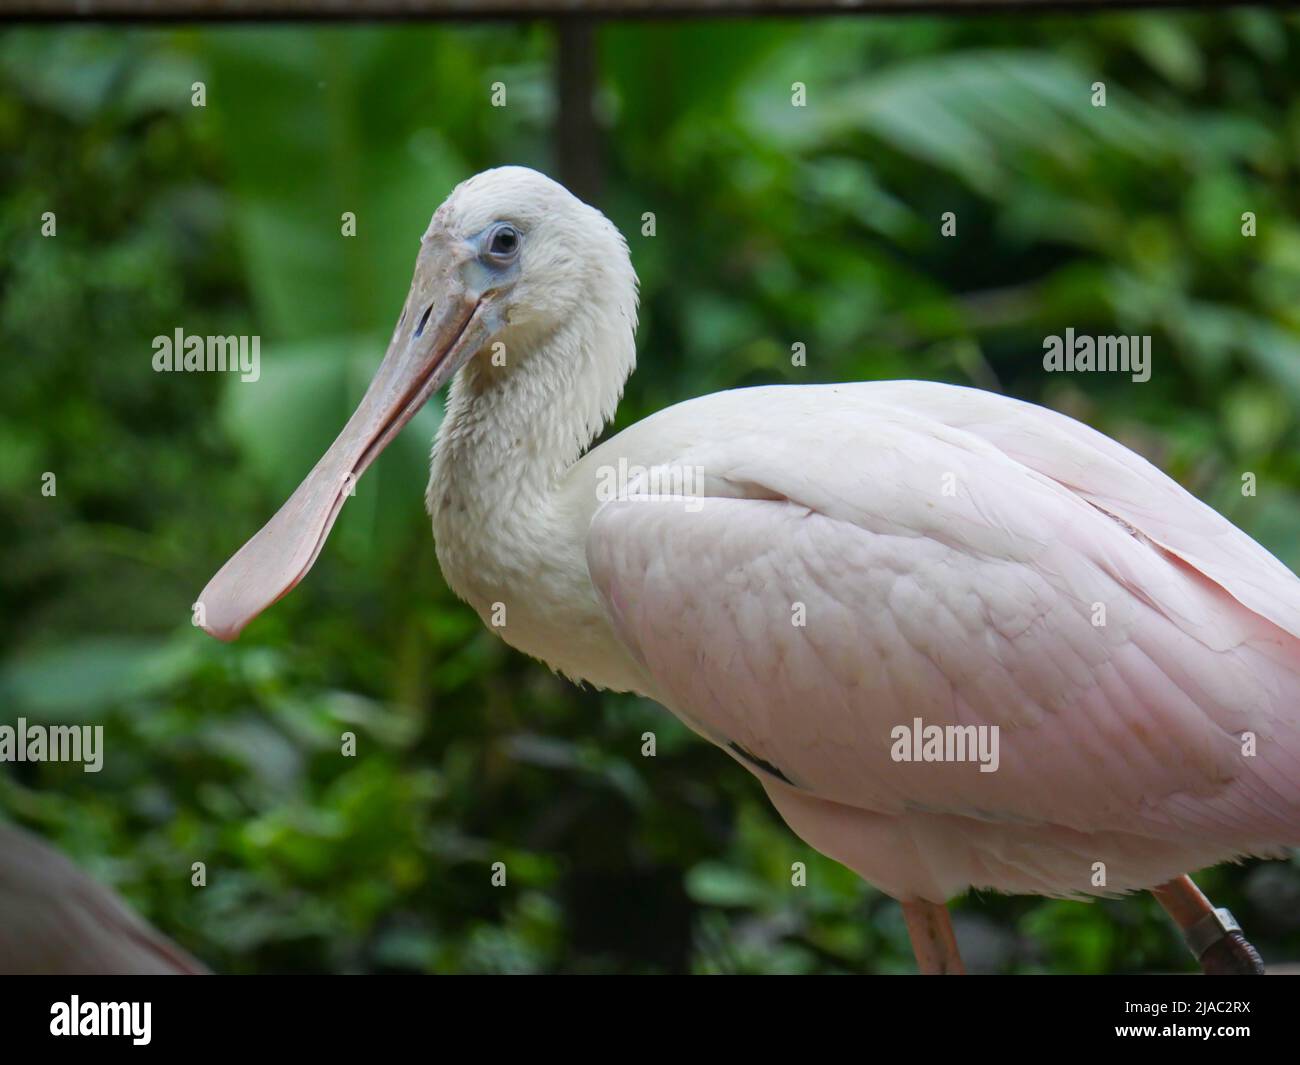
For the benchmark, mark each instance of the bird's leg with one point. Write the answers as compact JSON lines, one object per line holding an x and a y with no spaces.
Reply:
{"x":933,"y":941}
{"x":1213,"y":936}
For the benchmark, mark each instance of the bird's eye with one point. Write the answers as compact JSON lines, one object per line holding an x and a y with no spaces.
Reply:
{"x":503,"y":242}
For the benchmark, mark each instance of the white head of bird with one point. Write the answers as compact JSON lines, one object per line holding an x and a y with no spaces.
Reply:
{"x":526,"y":298}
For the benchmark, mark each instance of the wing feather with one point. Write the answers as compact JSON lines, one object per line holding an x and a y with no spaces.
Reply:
{"x":960,"y":570}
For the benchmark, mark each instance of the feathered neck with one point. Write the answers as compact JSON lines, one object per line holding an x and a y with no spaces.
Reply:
{"x":512,"y":431}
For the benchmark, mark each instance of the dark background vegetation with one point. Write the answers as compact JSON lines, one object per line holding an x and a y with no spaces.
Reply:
{"x":775,"y":225}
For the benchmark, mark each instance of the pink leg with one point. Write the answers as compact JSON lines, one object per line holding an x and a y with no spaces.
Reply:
{"x":1212,"y":935}
{"x":933,"y":941}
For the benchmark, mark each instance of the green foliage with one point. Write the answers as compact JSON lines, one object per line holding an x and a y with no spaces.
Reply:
{"x":775,"y":225}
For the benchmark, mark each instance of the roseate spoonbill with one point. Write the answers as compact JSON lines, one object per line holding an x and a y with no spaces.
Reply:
{"x":849,"y":566}
{"x":58,"y":921}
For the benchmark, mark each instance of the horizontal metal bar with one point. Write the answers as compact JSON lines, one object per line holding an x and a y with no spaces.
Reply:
{"x":226,"y":10}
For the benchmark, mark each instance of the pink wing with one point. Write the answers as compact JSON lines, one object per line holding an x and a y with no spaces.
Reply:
{"x":956,"y":556}
{"x":1124,"y":484}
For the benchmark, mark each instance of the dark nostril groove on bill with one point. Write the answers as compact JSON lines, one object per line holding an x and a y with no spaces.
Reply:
{"x":402,"y":320}
{"x":419,"y":329}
